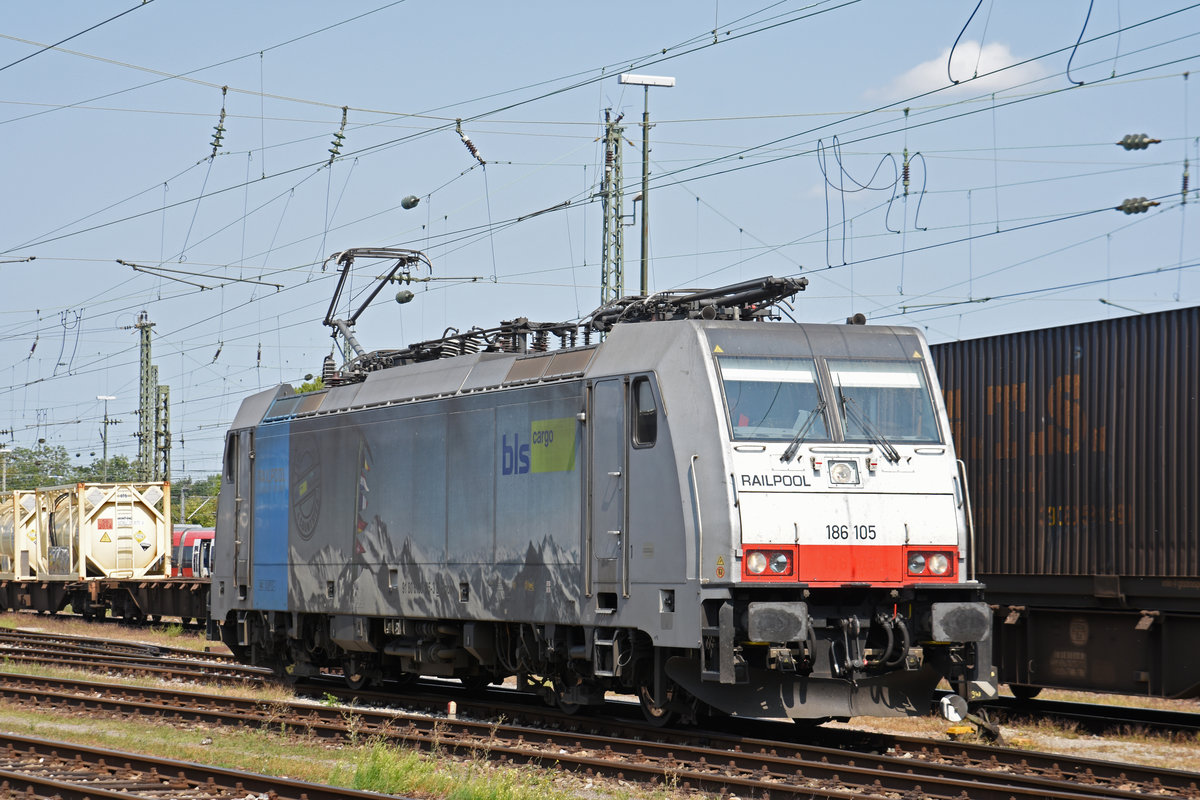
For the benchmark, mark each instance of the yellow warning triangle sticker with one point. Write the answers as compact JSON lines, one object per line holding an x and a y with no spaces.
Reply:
{"x":720,"y":561}
{"x":105,"y":538}
{"x":718,"y":349}
{"x":916,"y":353}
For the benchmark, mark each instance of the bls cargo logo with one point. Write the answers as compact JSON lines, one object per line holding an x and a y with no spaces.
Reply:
{"x":548,"y":447}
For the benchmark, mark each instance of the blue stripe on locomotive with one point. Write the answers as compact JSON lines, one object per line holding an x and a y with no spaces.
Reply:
{"x":270,"y":547}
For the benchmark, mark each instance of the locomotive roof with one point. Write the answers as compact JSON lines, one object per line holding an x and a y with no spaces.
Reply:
{"x":659,"y":346}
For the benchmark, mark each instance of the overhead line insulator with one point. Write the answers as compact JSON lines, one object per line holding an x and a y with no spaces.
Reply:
{"x":338,"y":137}
{"x":219,"y":130}
{"x":466,"y":140}
{"x":1137,"y":141}
{"x":1137,"y":205}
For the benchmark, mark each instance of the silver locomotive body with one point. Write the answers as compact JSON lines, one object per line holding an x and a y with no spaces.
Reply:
{"x":762,"y":518}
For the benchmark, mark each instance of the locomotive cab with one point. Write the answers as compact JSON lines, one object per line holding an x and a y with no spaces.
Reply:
{"x":848,"y":561}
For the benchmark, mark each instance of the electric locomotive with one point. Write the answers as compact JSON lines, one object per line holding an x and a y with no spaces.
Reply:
{"x":687,"y":500}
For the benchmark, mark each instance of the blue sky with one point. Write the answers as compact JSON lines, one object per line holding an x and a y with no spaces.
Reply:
{"x":780,"y":113}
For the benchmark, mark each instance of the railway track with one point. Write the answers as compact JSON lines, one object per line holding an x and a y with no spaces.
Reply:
{"x":124,"y":657}
{"x":27,"y":635}
{"x":739,"y":759}
{"x":1098,"y":718}
{"x":40,"y":768}
{"x":701,"y":760}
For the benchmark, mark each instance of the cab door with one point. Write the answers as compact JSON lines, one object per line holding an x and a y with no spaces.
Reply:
{"x":243,"y":531}
{"x":607,"y":490}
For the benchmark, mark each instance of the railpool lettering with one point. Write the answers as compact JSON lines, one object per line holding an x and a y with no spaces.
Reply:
{"x":773,"y":481}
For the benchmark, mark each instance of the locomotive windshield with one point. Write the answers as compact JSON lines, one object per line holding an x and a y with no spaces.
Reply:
{"x":770,"y":398}
{"x":883,"y":398}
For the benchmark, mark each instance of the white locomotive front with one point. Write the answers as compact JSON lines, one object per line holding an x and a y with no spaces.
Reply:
{"x":848,"y":551}
{"x":705,"y":509}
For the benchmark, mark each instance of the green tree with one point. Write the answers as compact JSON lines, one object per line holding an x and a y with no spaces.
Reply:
{"x":315,"y":385}
{"x":201,"y":498}
{"x":31,"y":467}
{"x":120,"y":468}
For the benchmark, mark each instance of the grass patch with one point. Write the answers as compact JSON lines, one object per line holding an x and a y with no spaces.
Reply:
{"x":381,"y":767}
{"x":375,"y":765}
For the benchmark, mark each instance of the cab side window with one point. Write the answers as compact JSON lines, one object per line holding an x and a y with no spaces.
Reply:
{"x":645,"y":413}
{"x":230,"y":457}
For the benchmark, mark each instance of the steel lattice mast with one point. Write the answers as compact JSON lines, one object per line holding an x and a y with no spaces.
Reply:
{"x":612,"y":261}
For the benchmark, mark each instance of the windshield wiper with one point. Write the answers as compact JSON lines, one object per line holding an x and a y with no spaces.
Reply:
{"x":798,"y":439}
{"x":858,"y":418}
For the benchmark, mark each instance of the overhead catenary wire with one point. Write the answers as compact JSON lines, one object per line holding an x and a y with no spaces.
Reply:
{"x":89,"y":29}
{"x":740,"y":153}
{"x":491,"y":226}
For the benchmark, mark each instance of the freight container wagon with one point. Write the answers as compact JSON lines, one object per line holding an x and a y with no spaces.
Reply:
{"x":96,"y":549}
{"x":18,"y":534}
{"x":90,"y":530}
{"x":1080,"y":450}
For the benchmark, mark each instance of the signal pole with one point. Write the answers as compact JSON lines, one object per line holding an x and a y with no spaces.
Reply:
{"x":104,"y":432}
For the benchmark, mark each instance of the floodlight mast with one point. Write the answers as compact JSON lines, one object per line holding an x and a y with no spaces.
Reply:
{"x":646,"y":81}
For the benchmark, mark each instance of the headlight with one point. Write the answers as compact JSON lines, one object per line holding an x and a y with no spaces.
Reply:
{"x":779,"y":563}
{"x":938,"y":564}
{"x":843,"y":472}
{"x":916,"y":563}
{"x":756,"y":562}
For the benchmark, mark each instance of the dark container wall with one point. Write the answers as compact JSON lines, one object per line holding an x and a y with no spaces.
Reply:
{"x":1081,"y":445}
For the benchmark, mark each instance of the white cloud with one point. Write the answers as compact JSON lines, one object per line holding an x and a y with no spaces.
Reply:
{"x":969,"y":60}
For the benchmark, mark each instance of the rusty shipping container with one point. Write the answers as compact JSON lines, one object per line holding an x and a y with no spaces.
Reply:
{"x":1080,"y":444}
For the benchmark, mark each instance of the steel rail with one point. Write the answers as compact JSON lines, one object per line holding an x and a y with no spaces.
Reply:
{"x":782,"y":771}
{"x":36,"y":767}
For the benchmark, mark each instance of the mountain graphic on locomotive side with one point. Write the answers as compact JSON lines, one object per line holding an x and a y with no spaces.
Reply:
{"x":687,"y":500}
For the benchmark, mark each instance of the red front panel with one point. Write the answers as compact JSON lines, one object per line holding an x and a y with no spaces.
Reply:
{"x":837,"y":564}
{"x":847,"y":563}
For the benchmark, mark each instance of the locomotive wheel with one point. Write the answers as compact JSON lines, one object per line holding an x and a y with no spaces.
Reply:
{"x":657,"y":715}
{"x":356,"y":675}
{"x":563,"y":705}
{"x":356,"y":680}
